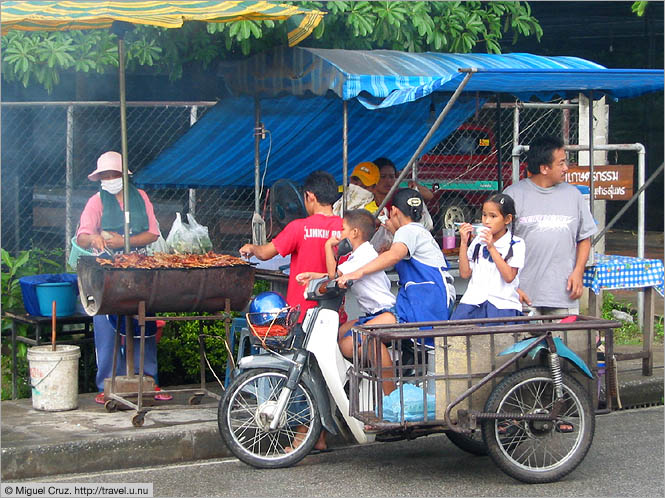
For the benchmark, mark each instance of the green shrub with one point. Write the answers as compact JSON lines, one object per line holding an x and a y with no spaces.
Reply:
{"x":629,"y":332}
{"x":178,"y":350}
{"x":33,"y":262}
{"x":658,"y":335}
{"x":22,"y":378}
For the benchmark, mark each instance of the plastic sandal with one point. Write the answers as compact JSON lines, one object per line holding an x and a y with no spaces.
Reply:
{"x":162,"y":396}
{"x":100,"y":398}
{"x":564,"y":427}
{"x":509,"y":430}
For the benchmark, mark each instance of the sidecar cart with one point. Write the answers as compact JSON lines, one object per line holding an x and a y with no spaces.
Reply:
{"x":514,"y":388}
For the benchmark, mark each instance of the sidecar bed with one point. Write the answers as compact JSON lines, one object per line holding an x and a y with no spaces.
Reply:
{"x":454,"y":365}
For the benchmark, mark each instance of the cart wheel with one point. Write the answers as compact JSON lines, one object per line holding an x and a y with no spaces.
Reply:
{"x":244,"y":416}
{"x":138,"y":419}
{"x":111,"y":405}
{"x":195,"y":399}
{"x":538,"y":451}
{"x":471,"y":443}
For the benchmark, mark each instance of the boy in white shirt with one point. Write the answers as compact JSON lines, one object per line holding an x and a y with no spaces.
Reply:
{"x":372,"y":290}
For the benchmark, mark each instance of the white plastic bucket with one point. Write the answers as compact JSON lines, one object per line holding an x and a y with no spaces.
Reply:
{"x":54,"y":377}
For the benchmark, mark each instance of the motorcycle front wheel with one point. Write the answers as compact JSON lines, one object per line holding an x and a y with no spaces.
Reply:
{"x":538,"y":451}
{"x":246,"y":410}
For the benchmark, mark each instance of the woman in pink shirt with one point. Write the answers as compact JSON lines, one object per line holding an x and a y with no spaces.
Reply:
{"x":101,"y":228}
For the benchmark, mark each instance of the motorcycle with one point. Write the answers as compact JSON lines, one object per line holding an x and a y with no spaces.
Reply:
{"x":537,"y":423}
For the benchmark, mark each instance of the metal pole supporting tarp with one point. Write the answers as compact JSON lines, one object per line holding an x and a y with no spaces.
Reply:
{"x":193,"y":116}
{"x":591,"y":162}
{"x":69,"y":176}
{"x":499,"y":143}
{"x":469,"y":72}
{"x":258,"y":223}
{"x":345,"y":152}
{"x":257,"y":157}
{"x":123,"y":138}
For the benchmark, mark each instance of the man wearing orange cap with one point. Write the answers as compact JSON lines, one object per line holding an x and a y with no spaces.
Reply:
{"x":365,"y":174}
{"x":359,"y":193}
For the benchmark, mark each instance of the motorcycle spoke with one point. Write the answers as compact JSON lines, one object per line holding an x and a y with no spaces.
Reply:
{"x":251,"y":409}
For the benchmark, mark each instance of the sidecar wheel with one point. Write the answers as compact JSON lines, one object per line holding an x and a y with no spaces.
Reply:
{"x":471,"y":443}
{"x":538,"y":451}
{"x":244,"y":416}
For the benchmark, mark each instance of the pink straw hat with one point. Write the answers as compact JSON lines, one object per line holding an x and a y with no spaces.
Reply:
{"x":108,"y":161}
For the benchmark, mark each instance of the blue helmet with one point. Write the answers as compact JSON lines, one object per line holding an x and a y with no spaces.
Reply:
{"x":266,"y":305}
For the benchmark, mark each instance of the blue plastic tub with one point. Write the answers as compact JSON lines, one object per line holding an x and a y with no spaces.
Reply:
{"x":62,"y":293}
{"x":38,"y":301}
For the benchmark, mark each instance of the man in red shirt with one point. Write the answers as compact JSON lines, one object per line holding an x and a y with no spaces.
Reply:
{"x":304,"y":239}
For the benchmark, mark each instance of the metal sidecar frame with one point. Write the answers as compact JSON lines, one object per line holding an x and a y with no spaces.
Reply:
{"x":413,"y":344}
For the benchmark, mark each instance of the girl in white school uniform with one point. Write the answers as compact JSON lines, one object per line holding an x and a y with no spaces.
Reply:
{"x":492,"y":260}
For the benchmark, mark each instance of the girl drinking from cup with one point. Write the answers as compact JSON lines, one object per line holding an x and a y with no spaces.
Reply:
{"x":492,"y":260}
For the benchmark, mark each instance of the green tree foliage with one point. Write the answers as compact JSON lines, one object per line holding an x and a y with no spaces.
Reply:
{"x":40,"y":57}
{"x":638,"y":8}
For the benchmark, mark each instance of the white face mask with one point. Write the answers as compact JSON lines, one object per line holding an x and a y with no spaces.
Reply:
{"x":112,"y":186}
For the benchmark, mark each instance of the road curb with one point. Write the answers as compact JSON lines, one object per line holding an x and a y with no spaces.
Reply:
{"x":147,"y":447}
{"x":636,"y":391}
{"x":152,"y":447}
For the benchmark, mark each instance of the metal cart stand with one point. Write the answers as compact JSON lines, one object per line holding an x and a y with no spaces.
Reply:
{"x":123,"y":398}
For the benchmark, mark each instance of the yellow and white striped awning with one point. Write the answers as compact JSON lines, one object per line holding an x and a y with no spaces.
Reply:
{"x":59,"y":16}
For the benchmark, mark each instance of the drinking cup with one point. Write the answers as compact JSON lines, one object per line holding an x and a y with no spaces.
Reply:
{"x":478,"y":229}
{"x":449,"y":238}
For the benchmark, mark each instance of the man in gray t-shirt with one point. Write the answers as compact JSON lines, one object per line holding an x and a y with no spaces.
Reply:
{"x":556,"y":224}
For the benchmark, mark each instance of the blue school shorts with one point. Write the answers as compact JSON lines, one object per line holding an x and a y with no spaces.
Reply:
{"x":483,"y":310}
{"x":366,"y":318}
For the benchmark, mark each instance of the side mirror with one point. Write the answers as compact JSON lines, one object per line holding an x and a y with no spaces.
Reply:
{"x":344,"y":248}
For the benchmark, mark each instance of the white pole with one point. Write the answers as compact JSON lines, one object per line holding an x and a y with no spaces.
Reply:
{"x":69,"y":180}
{"x":193,"y":111}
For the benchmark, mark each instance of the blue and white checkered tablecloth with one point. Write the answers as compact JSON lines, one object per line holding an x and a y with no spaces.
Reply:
{"x":624,"y":272}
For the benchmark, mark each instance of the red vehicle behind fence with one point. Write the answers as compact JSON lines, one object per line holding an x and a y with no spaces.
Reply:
{"x":462,"y":170}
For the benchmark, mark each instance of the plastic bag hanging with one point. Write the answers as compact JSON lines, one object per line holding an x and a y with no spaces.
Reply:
{"x":201,"y":234}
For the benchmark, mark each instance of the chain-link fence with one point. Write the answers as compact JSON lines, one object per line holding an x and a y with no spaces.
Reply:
{"x":48,"y":149}
{"x":43,"y":144}
{"x":465,"y":168}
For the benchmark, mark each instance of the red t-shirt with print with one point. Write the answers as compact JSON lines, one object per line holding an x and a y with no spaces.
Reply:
{"x":304,"y":240}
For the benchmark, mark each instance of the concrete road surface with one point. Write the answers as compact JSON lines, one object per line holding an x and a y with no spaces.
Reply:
{"x":626,"y":459}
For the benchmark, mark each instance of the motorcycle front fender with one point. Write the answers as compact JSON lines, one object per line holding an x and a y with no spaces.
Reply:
{"x":561,"y":349}
{"x":311,"y":376}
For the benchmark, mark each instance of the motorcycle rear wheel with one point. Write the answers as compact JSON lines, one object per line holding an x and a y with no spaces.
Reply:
{"x":244,"y":416}
{"x":538,"y":451}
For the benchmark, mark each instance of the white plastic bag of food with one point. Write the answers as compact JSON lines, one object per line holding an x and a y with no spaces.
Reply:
{"x":181,"y":239}
{"x":201,"y":234}
{"x":159,"y":245}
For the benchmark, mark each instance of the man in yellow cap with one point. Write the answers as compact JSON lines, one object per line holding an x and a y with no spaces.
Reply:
{"x":365,"y":174}
{"x":359,"y":193}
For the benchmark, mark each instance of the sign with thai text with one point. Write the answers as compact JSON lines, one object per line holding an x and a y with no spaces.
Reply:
{"x":611,"y":182}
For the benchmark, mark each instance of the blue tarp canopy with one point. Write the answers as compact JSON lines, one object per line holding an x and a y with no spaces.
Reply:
{"x":304,"y":134}
{"x":389,"y":77}
{"x":301,"y":92}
